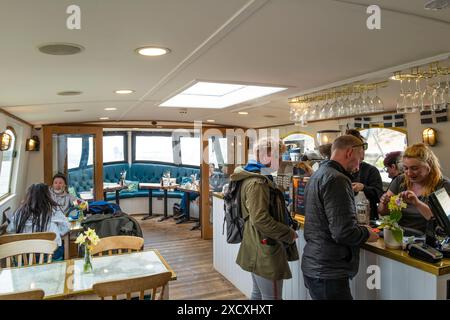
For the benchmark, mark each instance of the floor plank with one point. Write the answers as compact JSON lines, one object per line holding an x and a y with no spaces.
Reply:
{"x":191,"y":258}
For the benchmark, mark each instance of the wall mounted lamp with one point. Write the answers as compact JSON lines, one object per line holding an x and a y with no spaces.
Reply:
{"x":429,"y":136}
{"x":32,"y":144}
{"x":327,"y":136}
{"x":5,"y":141}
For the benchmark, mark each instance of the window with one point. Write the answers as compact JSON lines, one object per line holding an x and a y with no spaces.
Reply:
{"x":190,"y":150}
{"x":90,"y":160}
{"x":74,"y":151}
{"x":382,"y":141}
{"x":153,"y":148}
{"x":7,"y":166}
{"x":114,"y":148}
{"x":300,"y":140}
{"x":218,"y":151}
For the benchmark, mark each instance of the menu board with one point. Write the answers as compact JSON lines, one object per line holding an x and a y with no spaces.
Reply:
{"x":298,"y":194}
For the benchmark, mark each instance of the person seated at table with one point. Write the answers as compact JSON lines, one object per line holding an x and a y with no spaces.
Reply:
{"x":40,"y":213}
{"x":59,"y":194}
{"x":422,"y":176}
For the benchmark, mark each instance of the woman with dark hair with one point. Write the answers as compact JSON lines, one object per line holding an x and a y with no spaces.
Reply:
{"x":40,"y":213}
{"x":59,"y":194}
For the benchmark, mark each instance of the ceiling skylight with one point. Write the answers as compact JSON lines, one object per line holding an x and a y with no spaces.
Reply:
{"x":218,"y":95}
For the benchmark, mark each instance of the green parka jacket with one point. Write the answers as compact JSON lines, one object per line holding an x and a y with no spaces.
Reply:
{"x":266,"y":260}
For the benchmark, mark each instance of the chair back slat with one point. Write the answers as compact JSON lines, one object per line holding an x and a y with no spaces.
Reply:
{"x":36,"y":294}
{"x":129,"y":286}
{"x":27,"y":236}
{"x":19,"y":260}
{"x":20,"y":249}
{"x":119,"y":244}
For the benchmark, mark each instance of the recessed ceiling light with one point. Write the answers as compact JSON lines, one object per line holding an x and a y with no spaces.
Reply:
{"x":243,"y":112}
{"x":69,"y":93}
{"x":104,"y":118}
{"x":211,"y":120}
{"x":124,"y":91}
{"x":152,"y":51}
{"x":218,"y":95}
{"x":110,"y":109}
{"x":269,"y":116}
{"x":60,"y":49}
{"x":72,"y":110}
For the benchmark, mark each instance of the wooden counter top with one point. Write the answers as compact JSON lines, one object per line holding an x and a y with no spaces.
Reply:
{"x":438,"y":269}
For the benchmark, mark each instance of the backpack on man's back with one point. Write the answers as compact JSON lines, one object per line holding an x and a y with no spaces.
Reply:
{"x":233,"y":215}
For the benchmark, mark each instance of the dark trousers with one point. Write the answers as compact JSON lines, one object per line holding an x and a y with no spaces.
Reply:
{"x":328,"y":289}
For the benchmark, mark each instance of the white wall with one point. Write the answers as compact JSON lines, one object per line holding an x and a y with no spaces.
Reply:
{"x":414,"y":134}
{"x":20,"y":169}
{"x":36,"y":163}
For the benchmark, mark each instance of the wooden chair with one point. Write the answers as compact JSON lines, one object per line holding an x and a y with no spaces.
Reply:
{"x":3,"y":227}
{"x":4,"y":221}
{"x":129,"y":286}
{"x":27,"y":236}
{"x":25,"y":252}
{"x":37,"y":294}
{"x":119,"y":244}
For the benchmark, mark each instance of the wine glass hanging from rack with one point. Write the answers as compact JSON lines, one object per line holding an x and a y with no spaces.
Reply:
{"x":423,"y":89}
{"x":349,"y":100}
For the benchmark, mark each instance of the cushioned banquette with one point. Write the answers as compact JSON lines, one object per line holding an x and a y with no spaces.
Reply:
{"x":81,"y":179}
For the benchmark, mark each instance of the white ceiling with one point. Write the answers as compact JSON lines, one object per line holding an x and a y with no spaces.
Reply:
{"x":302,"y":44}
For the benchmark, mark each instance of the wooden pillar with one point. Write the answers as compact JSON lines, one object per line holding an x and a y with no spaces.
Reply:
{"x":97,"y":132}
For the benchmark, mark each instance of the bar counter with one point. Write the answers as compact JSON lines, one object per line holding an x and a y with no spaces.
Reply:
{"x":400,"y":276}
{"x":439,"y":269}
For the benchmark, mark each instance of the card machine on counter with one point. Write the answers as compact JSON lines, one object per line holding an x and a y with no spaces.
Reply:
{"x":424,"y":252}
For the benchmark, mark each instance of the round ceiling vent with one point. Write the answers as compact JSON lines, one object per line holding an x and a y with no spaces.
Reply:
{"x":60,"y":49}
{"x":69,"y":93}
{"x":72,"y":110}
{"x":269,"y":116}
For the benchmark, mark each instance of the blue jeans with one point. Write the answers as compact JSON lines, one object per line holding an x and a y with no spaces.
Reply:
{"x":58,"y":255}
{"x":266,"y":289}
{"x":328,"y":289}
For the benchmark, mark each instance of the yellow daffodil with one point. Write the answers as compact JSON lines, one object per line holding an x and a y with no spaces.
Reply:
{"x":80,"y":239}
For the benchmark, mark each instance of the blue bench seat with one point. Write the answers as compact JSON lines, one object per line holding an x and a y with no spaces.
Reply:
{"x":81,"y":179}
{"x":144,"y":193}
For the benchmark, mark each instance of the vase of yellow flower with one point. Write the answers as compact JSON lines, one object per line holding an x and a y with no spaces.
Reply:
{"x":393,"y":233}
{"x":88,"y":239}
{"x":80,"y":206}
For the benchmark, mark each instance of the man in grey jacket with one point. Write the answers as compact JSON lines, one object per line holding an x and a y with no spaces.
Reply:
{"x":333,"y":237}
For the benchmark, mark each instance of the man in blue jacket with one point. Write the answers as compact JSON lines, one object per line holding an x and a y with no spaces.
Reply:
{"x":333,"y":237}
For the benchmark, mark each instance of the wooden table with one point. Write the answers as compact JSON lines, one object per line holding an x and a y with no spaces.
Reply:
{"x":62,"y":280}
{"x":75,"y":228}
{"x":188,"y":206}
{"x":156,"y":186}
{"x":111,"y":187}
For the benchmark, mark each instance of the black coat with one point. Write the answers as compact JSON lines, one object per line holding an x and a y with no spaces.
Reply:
{"x":370,"y":177}
{"x":332,"y":234}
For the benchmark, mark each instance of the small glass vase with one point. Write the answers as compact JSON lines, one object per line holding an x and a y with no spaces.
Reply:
{"x":87,"y":266}
{"x":80,"y":215}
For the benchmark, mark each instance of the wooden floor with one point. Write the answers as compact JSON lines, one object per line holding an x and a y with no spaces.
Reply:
{"x":191,"y":258}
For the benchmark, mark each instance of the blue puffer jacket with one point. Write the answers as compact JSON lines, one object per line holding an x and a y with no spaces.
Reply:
{"x":332,"y":234}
